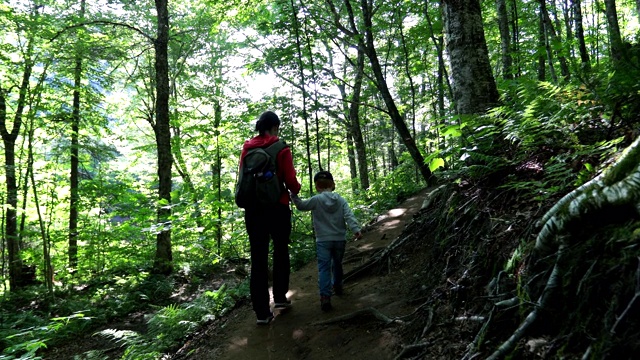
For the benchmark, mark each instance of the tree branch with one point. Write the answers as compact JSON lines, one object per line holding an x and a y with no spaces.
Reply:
{"x":103,"y":22}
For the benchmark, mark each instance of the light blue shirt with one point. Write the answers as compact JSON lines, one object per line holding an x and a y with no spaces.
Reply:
{"x":331,"y":215}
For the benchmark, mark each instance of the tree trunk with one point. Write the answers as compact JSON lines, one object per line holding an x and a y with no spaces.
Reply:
{"x":353,"y":170}
{"x":407,"y":72}
{"x":474,"y":88}
{"x":505,"y":39}
{"x":314,"y":81}
{"x":615,"y":39}
{"x":163,"y":260}
{"x":73,"y":172}
{"x":438,"y":42}
{"x":217,"y":174}
{"x":354,"y":122}
{"x":577,"y":14}
{"x":552,"y":38}
{"x":296,"y":28}
{"x":381,"y":84}
{"x":515,"y":38}
{"x":542,"y":41}
{"x":9,"y":141}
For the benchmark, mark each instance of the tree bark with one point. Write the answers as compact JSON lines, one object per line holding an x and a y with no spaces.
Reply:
{"x":9,"y":141}
{"x":577,"y":13}
{"x":505,"y":39}
{"x":552,"y":37}
{"x":73,"y":172}
{"x":615,"y":39}
{"x":474,"y":88}
{"x":296,"y":28}
{"x":354,"y":121}
{"x":163,"y":263}
{"x":542,"y":44}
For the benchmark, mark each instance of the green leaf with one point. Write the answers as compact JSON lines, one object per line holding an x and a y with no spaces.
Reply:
{"x":435,"y":164}
{"x":453,"y":130}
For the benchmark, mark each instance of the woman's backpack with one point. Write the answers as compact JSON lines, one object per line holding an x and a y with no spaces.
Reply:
{"x":258,"y":183}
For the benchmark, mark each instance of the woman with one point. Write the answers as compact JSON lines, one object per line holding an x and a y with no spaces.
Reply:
{"x":264,"y":222}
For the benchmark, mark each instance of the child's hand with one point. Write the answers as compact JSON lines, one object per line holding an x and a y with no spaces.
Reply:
{"x":357,"y":236}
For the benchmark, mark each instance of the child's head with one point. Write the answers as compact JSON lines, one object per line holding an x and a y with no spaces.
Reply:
{"x":324,"y":181}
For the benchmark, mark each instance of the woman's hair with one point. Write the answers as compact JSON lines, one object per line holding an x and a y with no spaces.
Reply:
{"x":267,"y":120}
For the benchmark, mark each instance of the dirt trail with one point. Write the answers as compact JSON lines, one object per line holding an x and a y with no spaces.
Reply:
{"x":295,"y":334}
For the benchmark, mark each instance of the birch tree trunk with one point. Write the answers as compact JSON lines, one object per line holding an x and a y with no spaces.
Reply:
{"x":474,"y":88}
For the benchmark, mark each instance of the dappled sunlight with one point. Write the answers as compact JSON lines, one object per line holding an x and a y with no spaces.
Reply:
{"x":397,"y":212}
{"x":392,"y":223}
{"x":365,"y":247}
{"x":239,"y":343}
{"x":298,"y":334}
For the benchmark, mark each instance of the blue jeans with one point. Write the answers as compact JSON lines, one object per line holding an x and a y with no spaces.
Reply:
{"x":330,"y":254}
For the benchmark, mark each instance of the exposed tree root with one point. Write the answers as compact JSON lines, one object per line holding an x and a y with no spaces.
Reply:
{"x":410,"y":349}
{"x":552,"y":283}
{"x":472,"y":349}
{"x":618,"y":185}
{"x":376,"y":259}
{"x":367,"y":311}
{"x":631,"y":303}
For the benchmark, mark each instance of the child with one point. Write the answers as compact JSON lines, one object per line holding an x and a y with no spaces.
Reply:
{"x":331,"y":214}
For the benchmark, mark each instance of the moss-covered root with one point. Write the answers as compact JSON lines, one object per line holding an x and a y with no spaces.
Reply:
{"x":553,"y":283}
{"x":617,"y":186}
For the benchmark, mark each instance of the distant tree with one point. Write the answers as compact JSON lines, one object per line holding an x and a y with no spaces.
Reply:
{"x":9,"y":137}
{"x":505,"y":39}
{"x":613,"y":29}
{"x":163,"y":260}
{"x":577,"y":15}
{"x":73,"y":172}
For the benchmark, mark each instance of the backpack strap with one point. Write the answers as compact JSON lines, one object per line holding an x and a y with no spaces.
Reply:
{"x":273,"y":151}
{"x":275,"y":148}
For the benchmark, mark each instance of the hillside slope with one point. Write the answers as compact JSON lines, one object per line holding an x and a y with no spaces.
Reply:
{"x":451,"y":274}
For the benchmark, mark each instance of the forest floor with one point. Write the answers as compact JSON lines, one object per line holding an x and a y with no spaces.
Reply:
{"x":299,"y":332}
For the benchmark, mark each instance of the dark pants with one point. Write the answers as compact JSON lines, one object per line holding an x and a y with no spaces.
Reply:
{"x":264,"y":223}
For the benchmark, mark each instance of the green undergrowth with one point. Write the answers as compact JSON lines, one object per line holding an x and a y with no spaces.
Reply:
{"x":31,"y":324}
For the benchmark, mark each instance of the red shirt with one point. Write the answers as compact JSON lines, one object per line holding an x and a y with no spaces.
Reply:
{"x":284,"y":162}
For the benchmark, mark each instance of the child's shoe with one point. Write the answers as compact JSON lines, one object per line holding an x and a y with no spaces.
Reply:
{"x":325,"y":303}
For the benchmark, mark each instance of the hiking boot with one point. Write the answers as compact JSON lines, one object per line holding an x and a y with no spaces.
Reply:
{"x":337,"y":290}
{"x":283,"y":305}
{"x":325,"y":303}
{"x":265,"y":321}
